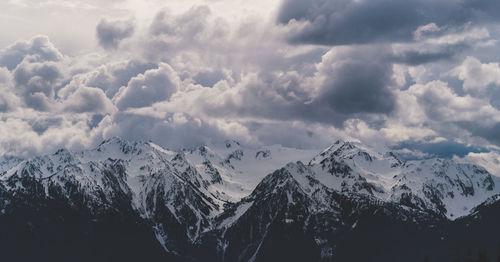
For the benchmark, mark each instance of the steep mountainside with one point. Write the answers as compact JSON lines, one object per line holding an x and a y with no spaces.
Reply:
{"x":234,"y":203}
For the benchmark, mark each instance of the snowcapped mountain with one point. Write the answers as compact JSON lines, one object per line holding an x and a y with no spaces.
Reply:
{"x":186,"y":188}
{"x":236,"y":170}
{"x":230,"y":202}
{"x":7,"y":162}
{"x":441,"y":185}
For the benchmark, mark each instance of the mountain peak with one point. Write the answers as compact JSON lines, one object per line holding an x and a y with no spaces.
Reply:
{"x":232,"y":144}
{"x":341,"y":149}
{"x":119,"y":145}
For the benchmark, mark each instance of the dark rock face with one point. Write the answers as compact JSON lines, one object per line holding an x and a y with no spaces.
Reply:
{"x":38,"y":228}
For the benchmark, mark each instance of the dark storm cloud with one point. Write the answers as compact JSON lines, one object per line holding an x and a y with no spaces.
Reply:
{"x":341,"y":22}
{"x":111,"y":33}
{"x":354,"y":82}
{"x":356,"y":87}
{"x":349,"y":83}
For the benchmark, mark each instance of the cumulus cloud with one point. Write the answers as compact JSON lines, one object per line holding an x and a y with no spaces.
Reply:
{"x":476,"y":75}
{"x":417,"y":76}
{"x":440,"y":103}
{"x":329,"y":96}
{"x":111,"y":33}
{"x":433,"y":112}
{"x":88,"y":99}
{"x":36,"y":82}
{"x":195,"y":26}
{"x":145,"y":89}
{"x":38,"y":49}
{"x":174,"y":130}
{"x":20,"y":137}
{"x":366,"y":91}
{"x":110,"y":77}
{"x":8,"y":100}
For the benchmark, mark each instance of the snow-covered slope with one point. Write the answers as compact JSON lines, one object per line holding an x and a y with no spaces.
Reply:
{"x":8,"y":162}
{"x":443,"y":185}
{"x":185,"y":188}
{"x":235,"y":170}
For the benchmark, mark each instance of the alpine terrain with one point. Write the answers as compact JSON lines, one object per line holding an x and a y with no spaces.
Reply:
{"x":136,"y":201}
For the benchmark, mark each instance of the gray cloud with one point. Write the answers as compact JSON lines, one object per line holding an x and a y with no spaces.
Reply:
{"x":38,"y":49}
{"x":341,"y":22}
{"x":36,"y":82}
{"x":489,"y":132}
{"x":296,"y":136}
{"x":417,"y":57}
{"x":365,"y":91}
{"x":111,"y":33}
{"x":209,"y":78}
{"x":8,"y":101}
{"x":153,"y":86}
{"x":331,"y":96}
{"x":88,"y":99}
{"x":453,"y":117}
{"x":174,"y":130}
{"x":111,"y":77}
{"x":381,"y":71}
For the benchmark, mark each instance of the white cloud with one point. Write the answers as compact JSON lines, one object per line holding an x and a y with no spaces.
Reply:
{"x":477,"y":76}
{"x":440,"y":103}
{"x":145,"y":89}
{"x":19,"y":137}
{"x":428,"y":28}
{"x":399,"y":133}
{"x":88,"y":99}
{"x":38,"y":49}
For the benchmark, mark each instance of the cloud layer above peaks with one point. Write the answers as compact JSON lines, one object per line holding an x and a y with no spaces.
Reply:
{"x":413,"y":76}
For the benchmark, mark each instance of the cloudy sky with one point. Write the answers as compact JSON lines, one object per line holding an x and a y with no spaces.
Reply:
{"x":419,"y":76}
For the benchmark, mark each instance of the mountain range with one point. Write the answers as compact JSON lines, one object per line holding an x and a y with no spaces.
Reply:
{"x":130,"y":200}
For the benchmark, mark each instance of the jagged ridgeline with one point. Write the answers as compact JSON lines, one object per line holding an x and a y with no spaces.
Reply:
{"x":135,"y":201}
